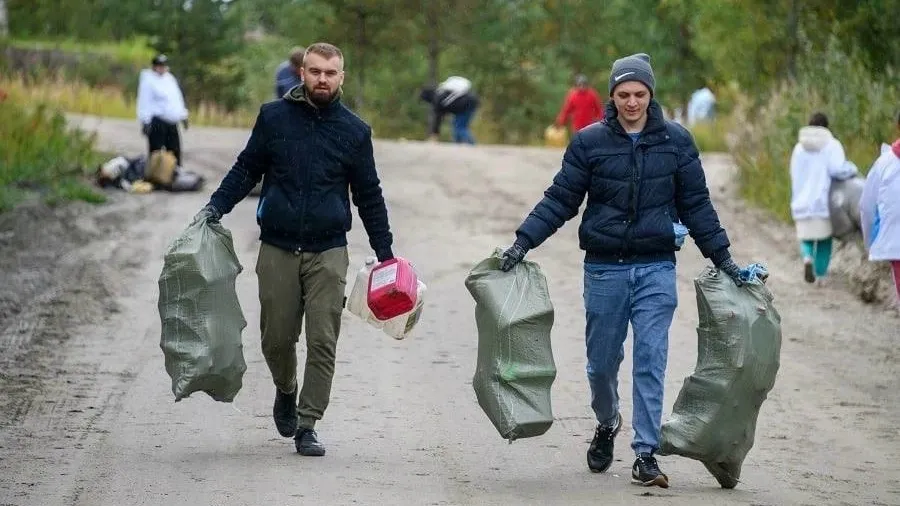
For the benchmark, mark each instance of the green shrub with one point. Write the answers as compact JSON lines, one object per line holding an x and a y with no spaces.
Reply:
{"x":38,"y":153}
{"x":861,"y":108}
{"x":710,"y":136}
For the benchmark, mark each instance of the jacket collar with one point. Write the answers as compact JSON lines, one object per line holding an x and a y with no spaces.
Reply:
{"x":298,"y":94}
{"x":656,"y":123}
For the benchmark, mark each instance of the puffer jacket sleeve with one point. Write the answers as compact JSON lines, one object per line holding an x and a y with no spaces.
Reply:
{"x":561,"y":201}
{"x":695,"y":209}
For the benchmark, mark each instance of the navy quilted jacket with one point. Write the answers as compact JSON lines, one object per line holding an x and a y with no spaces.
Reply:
{"x":311,"y":158}
{"x":635,"y":193}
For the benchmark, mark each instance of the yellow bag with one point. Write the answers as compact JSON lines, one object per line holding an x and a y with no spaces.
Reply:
{"x":556,"y":137}
{"x":161,"y":167}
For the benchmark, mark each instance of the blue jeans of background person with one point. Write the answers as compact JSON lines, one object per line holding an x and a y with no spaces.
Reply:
{"x":461,"y":132}
{"x":615,"y":295}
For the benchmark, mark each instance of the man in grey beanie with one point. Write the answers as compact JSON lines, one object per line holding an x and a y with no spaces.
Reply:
{"x":642,"y":178}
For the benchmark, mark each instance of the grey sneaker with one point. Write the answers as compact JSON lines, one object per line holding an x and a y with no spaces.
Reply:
{"x":600,"y":453}
{"x":307,"y":443}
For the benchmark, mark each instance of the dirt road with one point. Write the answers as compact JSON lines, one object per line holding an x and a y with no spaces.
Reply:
{"x":88,"y":416}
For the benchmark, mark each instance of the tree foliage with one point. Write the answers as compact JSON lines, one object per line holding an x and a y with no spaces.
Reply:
{"x":521,"y":54}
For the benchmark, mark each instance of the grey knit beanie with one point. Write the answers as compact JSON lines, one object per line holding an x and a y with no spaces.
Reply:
{"x":632,"y":68}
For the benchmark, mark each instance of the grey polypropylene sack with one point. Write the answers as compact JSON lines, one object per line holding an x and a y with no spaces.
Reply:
{"x":201,"y":316}
{"x":843,"y":202}
{"x":738,"y":351}
{"x":515,"y":367}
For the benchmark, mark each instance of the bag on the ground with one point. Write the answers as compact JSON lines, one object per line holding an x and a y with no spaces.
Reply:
{"x":515,"y":367}
{"x":738,"y":353}
{"x":161,"y":167}
{"x":186,"y":181}
{"x":843,"y":202}
{"x":201,"y":315}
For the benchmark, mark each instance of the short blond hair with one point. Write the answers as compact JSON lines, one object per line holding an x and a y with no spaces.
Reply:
{"x":324,"y":50}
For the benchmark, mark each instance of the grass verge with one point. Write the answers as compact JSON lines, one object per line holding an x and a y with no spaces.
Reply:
{"x":41,"y":157}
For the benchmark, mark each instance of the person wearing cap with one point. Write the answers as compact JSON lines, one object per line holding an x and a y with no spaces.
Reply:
{"x":645,"y":191}
{"x":582,"y":104}
{"x":160,"y":107}
{"x":287,"y":75}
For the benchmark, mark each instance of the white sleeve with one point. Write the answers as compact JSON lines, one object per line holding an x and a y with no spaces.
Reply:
{"x":144,"y":112}
{"x":836,"y":159}
{"x":868,"y":202}
{"x":180,"y":98}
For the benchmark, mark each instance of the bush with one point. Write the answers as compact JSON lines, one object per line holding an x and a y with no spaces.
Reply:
{"x":710,"y":136}
{"x":39,"y":154}
{"x":861,"y":108}
{"x":78,"y":97}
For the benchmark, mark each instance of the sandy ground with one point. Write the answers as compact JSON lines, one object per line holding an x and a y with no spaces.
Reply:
{"x":88,"y":416}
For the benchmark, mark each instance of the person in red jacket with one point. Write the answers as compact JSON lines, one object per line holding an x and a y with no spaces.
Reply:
{"x":582,"y":104}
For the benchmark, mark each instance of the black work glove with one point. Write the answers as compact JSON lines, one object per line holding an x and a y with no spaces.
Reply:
{"x":208,"y":213}
{"x":146,"y":128}
{"x":734,"y":272}
{"x":185,"y":124}
{"x":513,"y":255}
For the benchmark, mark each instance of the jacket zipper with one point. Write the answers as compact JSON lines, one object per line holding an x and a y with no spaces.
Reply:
{"x":305,"y":189}
{"x":632,"y":200}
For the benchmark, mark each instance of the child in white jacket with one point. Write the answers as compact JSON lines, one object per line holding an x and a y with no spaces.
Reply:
{"x":879,"y":209}
{"x":817,"y":158}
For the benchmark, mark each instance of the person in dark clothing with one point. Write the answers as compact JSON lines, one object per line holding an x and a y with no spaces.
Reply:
{"x":287,"y":75}
{"x":453,"y":96}
{"x":311,"y":153}
{"x":160,"y":108}
{"x":642,"y":177}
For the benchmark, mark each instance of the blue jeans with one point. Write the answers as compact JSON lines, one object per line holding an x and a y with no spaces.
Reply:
{"x":646,"y":296}
{"x":461,"y":132}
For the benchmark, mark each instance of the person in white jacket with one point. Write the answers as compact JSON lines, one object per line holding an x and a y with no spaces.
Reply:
{"x":160,"y":107}
{"x":879,"y":209}
{"x":817,"y":158}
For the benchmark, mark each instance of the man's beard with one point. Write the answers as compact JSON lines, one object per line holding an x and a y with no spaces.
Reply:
{"x":318,"y":98}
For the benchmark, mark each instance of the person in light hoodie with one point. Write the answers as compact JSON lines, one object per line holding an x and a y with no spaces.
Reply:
{"x":879,"y":209}
{"x":160,"y":107}
{"x":817,"y":158}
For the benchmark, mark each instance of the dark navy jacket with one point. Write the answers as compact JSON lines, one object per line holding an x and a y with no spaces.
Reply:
{"x":310,"y":159}
{"x":635,"y":192}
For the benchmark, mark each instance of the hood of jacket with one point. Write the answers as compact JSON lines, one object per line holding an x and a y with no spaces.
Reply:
{"x":814,"y":138}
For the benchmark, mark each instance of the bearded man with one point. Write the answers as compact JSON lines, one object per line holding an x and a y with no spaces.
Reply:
{"x":311,"y":152}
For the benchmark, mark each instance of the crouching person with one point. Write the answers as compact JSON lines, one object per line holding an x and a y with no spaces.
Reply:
{"x":643,"y":178}
{"x":311,"y":152}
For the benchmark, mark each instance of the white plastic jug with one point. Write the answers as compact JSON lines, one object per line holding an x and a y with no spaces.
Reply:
{"x":398,"y":327}
{"x":357,"y":303}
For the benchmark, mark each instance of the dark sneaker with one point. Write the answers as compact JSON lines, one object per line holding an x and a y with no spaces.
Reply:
{"x":808,"y":275}
{"x":308,"y":444}
{"x":285,"y":412}
{"x":600,"y":453}
{"x":646,"y":472}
